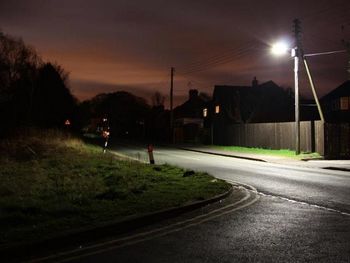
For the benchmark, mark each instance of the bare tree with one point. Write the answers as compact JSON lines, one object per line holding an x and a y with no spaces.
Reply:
{"x":18,"y":65}
{"x":158,"y":99}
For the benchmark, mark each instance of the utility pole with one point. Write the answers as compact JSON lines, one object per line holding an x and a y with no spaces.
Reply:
{"x":172,"y":71}
{"x":297,"y":53}
{"x":320,"y":112}
{"x":347,"y":47}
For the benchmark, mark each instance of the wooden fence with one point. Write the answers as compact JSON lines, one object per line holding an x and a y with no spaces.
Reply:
{"x":337,"y":140}
{"x":329,"y":140}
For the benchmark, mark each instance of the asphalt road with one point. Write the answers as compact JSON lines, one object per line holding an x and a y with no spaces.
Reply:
{"x":326,"y":188}
{"x":302,"y":215}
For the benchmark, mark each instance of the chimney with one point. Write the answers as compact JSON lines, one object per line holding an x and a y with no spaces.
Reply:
{"x":255,"y":83}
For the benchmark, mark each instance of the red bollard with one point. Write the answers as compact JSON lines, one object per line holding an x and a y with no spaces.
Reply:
{"x":150,"y":153}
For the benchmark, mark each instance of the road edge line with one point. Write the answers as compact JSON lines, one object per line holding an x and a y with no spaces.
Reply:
{"x":223,"y":154}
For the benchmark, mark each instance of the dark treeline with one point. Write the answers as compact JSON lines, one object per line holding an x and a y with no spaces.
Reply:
{"x":32,"y":92}
{"x":129,"y":116}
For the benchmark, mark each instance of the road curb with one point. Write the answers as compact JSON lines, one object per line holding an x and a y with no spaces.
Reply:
{"x":208,"y":152}
{"x":336,"y":169}
{"x":223,"y":154}
{"x":76,"y":237}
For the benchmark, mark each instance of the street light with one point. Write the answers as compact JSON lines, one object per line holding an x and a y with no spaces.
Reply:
{"x":281,"y":48}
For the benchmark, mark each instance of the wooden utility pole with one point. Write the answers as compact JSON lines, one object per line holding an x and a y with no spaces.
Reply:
{"x":298,"y":54}
{"x":172,"y":71}
{"x":346,"y":44}
{"x":320,"y":112}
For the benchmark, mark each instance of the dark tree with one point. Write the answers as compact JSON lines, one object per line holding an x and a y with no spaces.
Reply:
{"x":18,"y":72}
{"x":31,"y":92}
{"x":126,"y":112}
{"x":52,"y":101}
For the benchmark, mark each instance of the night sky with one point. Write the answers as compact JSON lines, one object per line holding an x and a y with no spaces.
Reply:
{"x":111,"y":45}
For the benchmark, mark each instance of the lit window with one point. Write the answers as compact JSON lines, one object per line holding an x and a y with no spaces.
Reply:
{"x":217,"y":109}
{"x":344,"y":103}
{"x":205,"y":112}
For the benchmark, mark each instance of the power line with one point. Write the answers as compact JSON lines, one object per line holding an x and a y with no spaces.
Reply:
{"x":211,"y":64}
{"x":237,"y":52}
{"x":310,"y":38}
{"x":219,"y":56}
{"x":335,"y":13}
{"x":326,"y":12}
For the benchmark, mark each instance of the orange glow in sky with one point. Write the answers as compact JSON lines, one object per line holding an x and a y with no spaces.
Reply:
{"x":131,"y":45}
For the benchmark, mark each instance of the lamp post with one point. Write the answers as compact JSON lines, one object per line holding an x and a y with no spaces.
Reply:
{"x":172,"y":137}
{"x":295,"y":54}
{"x":279,"y":49}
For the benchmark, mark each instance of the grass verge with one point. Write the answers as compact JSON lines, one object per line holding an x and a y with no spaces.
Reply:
{"x":51,"y":183}
{"x":261,"y":151}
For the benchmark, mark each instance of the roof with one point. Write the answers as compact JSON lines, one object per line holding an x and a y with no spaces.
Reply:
{"x":192,"y":108}
{"x":262,"y":103}
{"x":342,"y":91}
{"x":227,"y":89}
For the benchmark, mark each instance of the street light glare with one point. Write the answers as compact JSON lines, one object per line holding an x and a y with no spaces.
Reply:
{"x":279,"y":49}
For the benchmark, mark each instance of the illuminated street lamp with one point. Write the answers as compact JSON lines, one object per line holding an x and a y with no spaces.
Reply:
{"x":281,"y":48}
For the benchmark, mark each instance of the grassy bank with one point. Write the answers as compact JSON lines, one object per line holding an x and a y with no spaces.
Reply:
{"x":260,"y":151}
{"x":50,"y":182}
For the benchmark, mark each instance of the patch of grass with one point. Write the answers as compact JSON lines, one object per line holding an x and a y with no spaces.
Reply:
{"x":51,"y":182}
{"x":282,"y":152}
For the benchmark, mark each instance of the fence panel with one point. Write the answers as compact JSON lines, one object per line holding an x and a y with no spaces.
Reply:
{"x":265,"y":135}
{"x":337,"y":140}
{"x":331,"y":140}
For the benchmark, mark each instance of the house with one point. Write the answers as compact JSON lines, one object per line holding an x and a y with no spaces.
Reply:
{"x":258,"y":103}
{"x":262,"y":115}
{"x":336,"y":104}
{"x":188,"y":118}
{"x":158,"y":124}
{"x":265,"y":102}
{"x":336,"y":109}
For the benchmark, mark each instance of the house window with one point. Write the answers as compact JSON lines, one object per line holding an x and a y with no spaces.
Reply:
{"x":217,"y":109}
{"x":205,"y":112}
{"x":344,"y":103}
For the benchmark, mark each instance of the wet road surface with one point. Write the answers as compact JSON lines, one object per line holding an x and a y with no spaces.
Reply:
{"x":297,"y":215}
